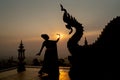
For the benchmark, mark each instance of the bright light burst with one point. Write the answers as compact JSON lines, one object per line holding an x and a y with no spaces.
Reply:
{"x":60,"y":35}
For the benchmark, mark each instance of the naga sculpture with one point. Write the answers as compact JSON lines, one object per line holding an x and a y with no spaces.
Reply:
{"x":94,"y":60}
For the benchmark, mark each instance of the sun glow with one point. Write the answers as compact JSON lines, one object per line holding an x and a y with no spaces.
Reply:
{"x":59,"y":35}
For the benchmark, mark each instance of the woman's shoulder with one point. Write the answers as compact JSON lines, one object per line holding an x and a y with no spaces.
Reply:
{"x":49,"y":41}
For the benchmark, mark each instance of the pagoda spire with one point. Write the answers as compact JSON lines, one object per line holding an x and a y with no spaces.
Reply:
{"x":21,"y":57}
{"x":86,"y":42}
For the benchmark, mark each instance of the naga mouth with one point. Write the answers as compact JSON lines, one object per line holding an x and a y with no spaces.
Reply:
{"x":70,"y":28}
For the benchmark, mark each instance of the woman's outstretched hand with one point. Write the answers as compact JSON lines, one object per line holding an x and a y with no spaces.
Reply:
{"x":58,"y":35}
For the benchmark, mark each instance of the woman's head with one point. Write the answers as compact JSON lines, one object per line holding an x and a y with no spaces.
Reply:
{"x":45,"y":36}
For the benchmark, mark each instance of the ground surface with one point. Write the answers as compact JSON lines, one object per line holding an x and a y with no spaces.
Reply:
{"x":31,"y":74}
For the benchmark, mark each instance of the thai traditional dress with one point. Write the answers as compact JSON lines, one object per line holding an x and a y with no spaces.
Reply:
{"x":50,"y":63}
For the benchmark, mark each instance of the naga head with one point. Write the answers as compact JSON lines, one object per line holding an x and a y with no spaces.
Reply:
{"x":66,"y":19}
{"x":71,"y":21}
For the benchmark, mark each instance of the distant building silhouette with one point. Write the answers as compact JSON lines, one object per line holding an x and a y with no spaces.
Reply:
{"x":36,"y":62}
{"x":85,"y":42}
{"x":21,"y":57}
{"x":94,"y":61}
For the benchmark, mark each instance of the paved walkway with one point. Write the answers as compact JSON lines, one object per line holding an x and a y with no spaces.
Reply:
{"x":30,"y":74}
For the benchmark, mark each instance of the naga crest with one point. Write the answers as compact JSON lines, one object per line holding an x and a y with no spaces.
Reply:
{"x":71,"y":21}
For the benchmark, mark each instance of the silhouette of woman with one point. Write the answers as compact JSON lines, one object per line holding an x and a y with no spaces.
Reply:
{"x":50,"y":63}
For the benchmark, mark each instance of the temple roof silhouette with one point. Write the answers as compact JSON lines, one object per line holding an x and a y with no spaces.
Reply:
{"x":110,"y":34}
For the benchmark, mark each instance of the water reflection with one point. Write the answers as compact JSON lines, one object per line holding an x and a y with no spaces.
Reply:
{"x":62,"y":76}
